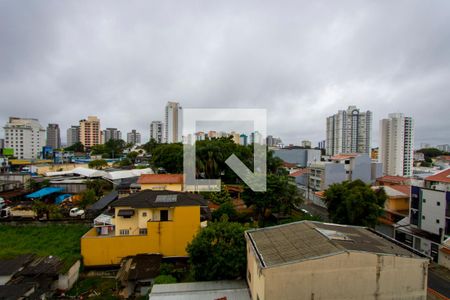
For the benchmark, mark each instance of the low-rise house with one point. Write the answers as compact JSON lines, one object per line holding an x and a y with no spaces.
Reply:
{"x":439,"y":181}
{"x":145,"y":222}
{"x":428,"y":223}
{"x":396,"y":206}
{"x":313,"y":260}
{"x":161,"y":182}
{"x":137,"y":273}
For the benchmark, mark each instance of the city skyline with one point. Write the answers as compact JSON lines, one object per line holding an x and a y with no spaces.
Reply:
{"x":302,"y":61}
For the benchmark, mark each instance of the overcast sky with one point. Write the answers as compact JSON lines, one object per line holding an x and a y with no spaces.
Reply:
{"x":61,"y":61}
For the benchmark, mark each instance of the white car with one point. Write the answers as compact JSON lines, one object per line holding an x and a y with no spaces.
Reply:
{"x":76,"y":212}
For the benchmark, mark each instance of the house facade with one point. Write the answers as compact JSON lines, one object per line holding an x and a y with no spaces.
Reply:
{"x":313,"y":260}
{"x":162,"y":182}
{"x":146,"y":222}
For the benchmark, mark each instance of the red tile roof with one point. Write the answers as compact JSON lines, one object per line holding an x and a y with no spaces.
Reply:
{"x":394,"y":179}
{"x":405,"y":189}
{"x":299,"y":172}
{"x":289,"y":165}
{"x":443,"y":176}
{"x":444,"y":157}
{"x":160,"y":178}
{"x":344,"y":156}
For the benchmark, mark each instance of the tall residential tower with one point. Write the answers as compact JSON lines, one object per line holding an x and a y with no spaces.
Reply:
{"x":53,"y":136}
{"x":396,"y":145}
{"x":173,"y":124}
{"x":156,"y":131}
{"x":349,"y":131}
{"x":90,"y":134}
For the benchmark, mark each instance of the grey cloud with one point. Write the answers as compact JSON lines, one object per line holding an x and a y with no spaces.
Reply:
{"x":302,"y":60}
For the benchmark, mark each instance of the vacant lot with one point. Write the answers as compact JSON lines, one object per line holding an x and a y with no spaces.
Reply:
{"x":62,"y":241}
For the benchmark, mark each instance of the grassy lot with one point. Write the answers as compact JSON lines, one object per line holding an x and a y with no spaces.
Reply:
{"x":62,"y":241}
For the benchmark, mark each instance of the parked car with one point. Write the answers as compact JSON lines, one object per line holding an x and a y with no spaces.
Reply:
{"x":76,"y":212}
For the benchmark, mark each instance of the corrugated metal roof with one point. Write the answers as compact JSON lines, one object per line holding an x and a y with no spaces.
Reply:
{"x":306,"y":240}
{"x":203,"y":290}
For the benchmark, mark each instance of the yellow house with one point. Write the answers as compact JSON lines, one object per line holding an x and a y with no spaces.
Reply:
{"x":146,"y":222}
{"x":313,"y":260}
{"x":396,"y":206}
{"x":159,"y":182}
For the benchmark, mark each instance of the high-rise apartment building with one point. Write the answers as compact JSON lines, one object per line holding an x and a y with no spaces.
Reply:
{"x":133,"y":137}
{"x":396,"y":145}
{"x":90,"y":134}
{"x":173,"y":124}
{"x":111,"y":134}
{"x":73,"y":135}
{"x":349,"y":131}
{"x":306,"y":144}
{"x":156,"y":131}
{"x":53,"y":136}
{"x":25,"y":136}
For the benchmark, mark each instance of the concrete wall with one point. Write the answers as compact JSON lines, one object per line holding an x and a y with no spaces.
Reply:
{"x":353,"y":275}
{"x":168,"y":238}
{"x":334,"y":173}
{"x":432,"y":213}
{"x":301,"y":157}
{"x":66,"y":281}
{"x":361,"y":168}
{"x":176,"y":187}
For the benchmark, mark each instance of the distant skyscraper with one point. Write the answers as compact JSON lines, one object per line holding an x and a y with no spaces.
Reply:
{"x":53,"y":136}
{"x":156,"y":131}
{"x":349,"y":131}
{"x":243,"y":140}
{"x":173,"y":124}
{"x":90,"y":134}
{"x":306,"y":144}
{"x":73,"y":135}
{"x":111,"y":134}
{"x":25,"y":136}
{"x":396,"y":145}
{"x":321,"y":144}
{"x":134,"y":137}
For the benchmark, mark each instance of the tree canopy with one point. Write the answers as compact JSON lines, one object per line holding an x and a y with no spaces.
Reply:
{"x":98,"y":164}
{"x":354,"y":203}
{"x":77,"y":147}
{"x":111,"y":149}
{"x":218,"y":252}
{"x":281,"y":196}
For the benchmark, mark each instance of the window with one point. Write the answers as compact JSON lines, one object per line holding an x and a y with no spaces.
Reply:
{"x":164,"y":215}
{"x":437,"y":221}
{"x":424,"y":200}
{"x":438,"y":203}
{"x":423,"y":217}
{"x":124,"y":232}
{"x":144,"y":214}
{"x":143,"y":231}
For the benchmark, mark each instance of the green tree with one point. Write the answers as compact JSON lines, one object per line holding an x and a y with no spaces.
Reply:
{"x":218,"y":252}
{"x":88,"y":197}
{"x":169,"y":157}
{"x":132,"y":156}
{"x":98,"y":164}
{"x":280,"y":196}
{"x":227,"y":209}
{"x":354,"y":203}
{"x":99,"y":186}
{"x":219,"y":197}
{"x":77,"y":147}
{"x":164,"y":279}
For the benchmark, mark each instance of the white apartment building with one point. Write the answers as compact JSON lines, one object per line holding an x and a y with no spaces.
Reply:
{"x":396,"y":145}
{"x":25,"y":136}
{"x":173,"y":124}
{"x":134,"y":137}
{"x":156,"y":131}
{"x":349,"y":131}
